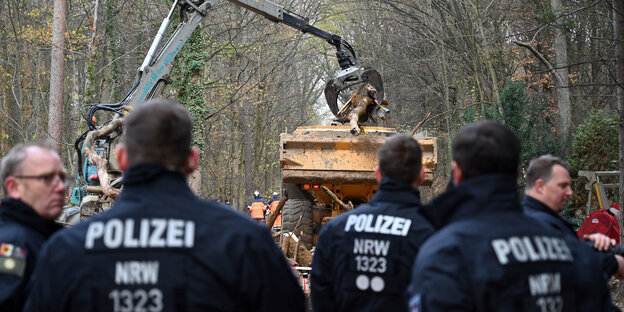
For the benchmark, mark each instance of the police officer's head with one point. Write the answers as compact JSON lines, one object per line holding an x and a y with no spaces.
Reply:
{"x":34,"y":174}
{"x":485,"y":147}
{"x":400,"y":158}
{"x":159,"y":132}
{"x":548,"y":180}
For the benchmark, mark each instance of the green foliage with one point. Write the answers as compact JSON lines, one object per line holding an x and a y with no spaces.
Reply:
{"x":91,"y":76}
{"x":113,"y":48}
{"x":526,"y":116}
{"x":529,"y":118}
{"x":569,"y":24}
{"x":470,"y":114}
{"x":594,"y":147}
{"x":595,"y":143}
{"x":512,"y":100}
{"x":578,"y":221}
{"x":189,"y":82}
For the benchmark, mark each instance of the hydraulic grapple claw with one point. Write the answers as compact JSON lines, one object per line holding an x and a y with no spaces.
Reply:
{"x":350,"y":77}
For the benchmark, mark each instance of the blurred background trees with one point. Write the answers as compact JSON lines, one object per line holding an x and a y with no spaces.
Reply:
{"x":546,"y":68}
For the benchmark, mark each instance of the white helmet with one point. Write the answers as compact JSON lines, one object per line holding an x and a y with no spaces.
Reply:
{"x":274,"y":193}
{"x":256,"y":193}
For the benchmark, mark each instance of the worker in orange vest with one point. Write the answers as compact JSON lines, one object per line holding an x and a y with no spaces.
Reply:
{"x":257,"y":208}
{"x":272,"y":206}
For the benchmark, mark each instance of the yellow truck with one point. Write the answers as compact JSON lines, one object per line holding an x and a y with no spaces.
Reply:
{"x":326,"y":171}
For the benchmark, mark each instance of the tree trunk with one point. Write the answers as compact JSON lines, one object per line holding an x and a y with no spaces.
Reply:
{"x":618,"y":33}
{"x":16,"y":129}
{"x":561,"y":71}
{"x":57,"y":75}
{"x":248,"y":141}
{"x":487,"y":58}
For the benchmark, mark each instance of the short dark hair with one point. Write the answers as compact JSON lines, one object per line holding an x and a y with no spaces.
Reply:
{"x":159,"y":132}
{"x":541,"y":168}
{"x":486,"y":147}
{"x":400,"y":158}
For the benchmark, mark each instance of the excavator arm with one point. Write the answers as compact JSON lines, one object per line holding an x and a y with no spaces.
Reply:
{"x":349,"y":76}
{"x":154,"y":73}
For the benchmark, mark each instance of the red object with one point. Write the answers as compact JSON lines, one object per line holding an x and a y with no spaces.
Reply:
{"x":600,"y":221}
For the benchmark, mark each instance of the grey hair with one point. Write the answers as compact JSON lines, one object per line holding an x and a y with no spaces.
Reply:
{"x":13,"y":159}
{"x":541,"y":168}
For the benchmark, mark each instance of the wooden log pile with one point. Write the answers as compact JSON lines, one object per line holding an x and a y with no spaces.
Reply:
{"x":359,"y":108}
{"x":101,"y":163}
{"x":276,"y":212}
{"x":295,"y":251}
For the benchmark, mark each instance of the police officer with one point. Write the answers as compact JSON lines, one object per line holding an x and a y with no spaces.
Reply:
{"x":161,"y":248}
{"x":548,"y":188}
{"x":363,"y":258}
{"x":33,"y":179}
{"x":257,"y":208}
{"x":488,"y":256}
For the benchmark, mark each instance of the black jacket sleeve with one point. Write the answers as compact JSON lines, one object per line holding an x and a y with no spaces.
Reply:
{"x":439,"y":282}
{"x":14,"y":275}
{"x":267,"y":280}
{"x":322,"y":293}
{"x":11,"y":289}
{"x":41,"y":285}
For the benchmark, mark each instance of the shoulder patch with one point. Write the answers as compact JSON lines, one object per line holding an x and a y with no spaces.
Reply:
{"x":12,"y":266}
{"x":9,"y":250}
{"x":12,"y":259}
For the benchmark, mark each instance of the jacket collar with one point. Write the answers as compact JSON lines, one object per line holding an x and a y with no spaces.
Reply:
{"x":142,"y":173}
{"x":483,"y":194}
{"x":390,"y":190}
{"x":152,"y":178}
{"x":531,"y":203}
{"x":18,"y":211}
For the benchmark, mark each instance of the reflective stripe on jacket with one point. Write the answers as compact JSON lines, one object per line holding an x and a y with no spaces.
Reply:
{"x":257,"y":210}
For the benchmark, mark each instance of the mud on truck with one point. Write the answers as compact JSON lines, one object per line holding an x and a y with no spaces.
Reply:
{"x":326,"y":171}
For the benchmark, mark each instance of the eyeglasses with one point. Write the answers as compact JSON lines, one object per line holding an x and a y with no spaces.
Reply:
{"x":47,"y":179}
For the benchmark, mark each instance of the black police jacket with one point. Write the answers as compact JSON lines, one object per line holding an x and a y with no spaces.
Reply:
{"x":542,"y":213}
{"x":363,"y":257}
{"x":160,"y":248}
{"x":488,"y":256}
{"x":22,"y":233}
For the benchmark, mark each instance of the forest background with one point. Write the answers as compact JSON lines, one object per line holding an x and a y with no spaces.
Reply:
{"x":551,"y":70}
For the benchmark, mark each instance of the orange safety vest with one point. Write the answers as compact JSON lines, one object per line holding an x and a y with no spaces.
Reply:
{"x":257,"y":210}
{"x":272,"y":207}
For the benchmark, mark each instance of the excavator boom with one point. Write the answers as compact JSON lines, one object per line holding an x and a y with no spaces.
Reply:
{"x":154,"y":74}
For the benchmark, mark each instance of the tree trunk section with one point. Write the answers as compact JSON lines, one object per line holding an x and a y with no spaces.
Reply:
{"x":57,"y":75}
{"x":618,"y":33}
{"x":248,"y":141}
{"x":561,"y":71}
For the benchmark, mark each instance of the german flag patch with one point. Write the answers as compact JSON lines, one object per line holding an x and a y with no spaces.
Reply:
{"x":12,"y":259}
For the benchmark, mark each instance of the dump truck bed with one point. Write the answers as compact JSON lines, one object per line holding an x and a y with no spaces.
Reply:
{"x":331,"y":154}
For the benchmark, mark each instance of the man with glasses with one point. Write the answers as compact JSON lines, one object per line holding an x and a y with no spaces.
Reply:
{"x":33,"y":179}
